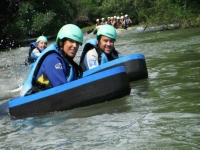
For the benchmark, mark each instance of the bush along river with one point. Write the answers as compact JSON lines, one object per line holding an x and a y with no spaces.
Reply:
{"x":162,"y":112}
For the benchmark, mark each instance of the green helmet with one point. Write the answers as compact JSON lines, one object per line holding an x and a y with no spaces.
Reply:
{"x":70,"y":31}
{"x":107,"y":30}
{"x":42,"y":38}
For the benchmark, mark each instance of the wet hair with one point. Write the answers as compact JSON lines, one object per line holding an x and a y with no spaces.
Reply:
{"x":61,"y":42}
{"x":99,"y":37}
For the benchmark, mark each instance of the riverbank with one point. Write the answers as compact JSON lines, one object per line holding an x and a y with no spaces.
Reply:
{"x":7,"y":44}
{"x":26,"y":42}
{"x":148,"y":28}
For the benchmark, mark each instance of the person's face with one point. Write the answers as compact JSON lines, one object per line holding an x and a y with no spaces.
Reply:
{"x":42,"y":45}
{"x":70,"y":48}
{"x":106,"y":44}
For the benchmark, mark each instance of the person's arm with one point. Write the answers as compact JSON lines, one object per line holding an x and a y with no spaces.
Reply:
{"x":35,"y":53}
{"x":91,"y":59}
{"x":130,"y":20}
{"x":113,"y":23}
{"x":55,"y":69}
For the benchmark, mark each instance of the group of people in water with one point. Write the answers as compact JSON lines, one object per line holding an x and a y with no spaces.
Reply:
{"x":122,"y":21}
{"x":54,"y":65}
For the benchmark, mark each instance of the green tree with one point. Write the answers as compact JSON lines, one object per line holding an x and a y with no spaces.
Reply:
{"x":31,"y":18}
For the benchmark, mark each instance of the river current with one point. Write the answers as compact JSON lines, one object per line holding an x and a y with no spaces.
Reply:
{"x":162,"y":112}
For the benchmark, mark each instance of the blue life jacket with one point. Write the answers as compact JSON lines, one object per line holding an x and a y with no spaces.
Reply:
{"x":127,"y":21}
{"x":102,"y":57}
{"x":31,"y":85}
{"x":108,"y":22}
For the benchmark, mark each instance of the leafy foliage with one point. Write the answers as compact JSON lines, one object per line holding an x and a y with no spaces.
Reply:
{"x":31,"y":18}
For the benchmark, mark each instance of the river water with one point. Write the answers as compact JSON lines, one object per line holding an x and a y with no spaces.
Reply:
{"x":162,"y":112}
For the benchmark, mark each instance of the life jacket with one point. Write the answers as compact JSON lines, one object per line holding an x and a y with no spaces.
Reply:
{"x":102,"y":57}
{"x":127,"y":21}
{"x":102,"y":23}
{"x":29,"y":59}
{"x":33,"y":85}
{"x":108,"y":22}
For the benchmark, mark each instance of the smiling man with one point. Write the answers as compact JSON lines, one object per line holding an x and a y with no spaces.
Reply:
{"x":101,"y":50}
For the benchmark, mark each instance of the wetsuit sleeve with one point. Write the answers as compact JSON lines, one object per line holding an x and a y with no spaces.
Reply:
{"x":55,"y":69}
{"x":91,"y":59}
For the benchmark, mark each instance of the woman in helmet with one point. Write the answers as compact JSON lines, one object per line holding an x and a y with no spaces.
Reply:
{"x":36,"y":49}
{"x":55,"y":66}
{"x":100,"y":50}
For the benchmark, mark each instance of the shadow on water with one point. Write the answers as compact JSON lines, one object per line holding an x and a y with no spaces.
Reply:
{"x":122,"y":105}
{"x":114,"y":106}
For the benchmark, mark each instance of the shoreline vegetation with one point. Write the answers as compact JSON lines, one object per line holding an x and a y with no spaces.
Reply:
{"x":26,"y":42}
{"x":29,"y":19}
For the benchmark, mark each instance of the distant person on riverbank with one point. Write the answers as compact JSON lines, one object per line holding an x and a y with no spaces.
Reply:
{"x":122,"y":22}
{"x":114,"y":22}
{"x":128,"y":21}
{"x":118,"y":23}
{"x":109,"y":21}
{"x":56,"y":66}
{"x":36,"y":49}
{"x":100,"y":50}
{"x":121,"y":14}
{"x":97,"y":23}
{"x":102,"y":21}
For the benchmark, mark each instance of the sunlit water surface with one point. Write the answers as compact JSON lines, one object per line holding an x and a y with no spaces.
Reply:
{"x":162,"y":112}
